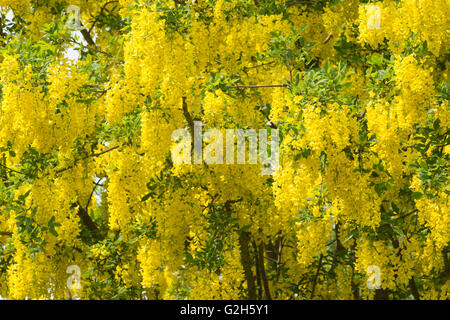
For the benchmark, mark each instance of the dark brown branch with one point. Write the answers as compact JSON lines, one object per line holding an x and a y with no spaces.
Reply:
{"x":100,"y":13}
{"x":263,"y":271}
{"x":229,"y":202}
{"x":244,"y":240}
{"x":5,"y":233}
{"x":258,"y":273}
{"x":188,"y":117}
{"x":103,"y":152}
{"x":11,"y":170}
{"x":413,"y":287}
{"x":316,"y":276}
{"x":88,"y":222}
{"x":339,"y":246}
{"x":93,"y":155}
{"x":260,"y":65}
{"x":407,"y":214}
{"x":87,"y":36}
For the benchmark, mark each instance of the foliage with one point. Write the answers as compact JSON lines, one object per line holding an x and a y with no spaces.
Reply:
{"x":87,"y":178}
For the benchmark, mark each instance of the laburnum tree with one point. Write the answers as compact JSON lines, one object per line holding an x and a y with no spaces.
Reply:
{"x":358,"y":91}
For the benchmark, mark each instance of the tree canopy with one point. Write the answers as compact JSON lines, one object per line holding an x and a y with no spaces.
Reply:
{"x":358,"y":207}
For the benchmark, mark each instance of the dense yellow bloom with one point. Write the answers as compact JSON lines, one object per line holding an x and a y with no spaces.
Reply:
{"x":357,"y":91}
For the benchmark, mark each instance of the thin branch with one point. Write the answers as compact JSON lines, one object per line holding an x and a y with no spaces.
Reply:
{"x":92,"y":47}
{"x":96,"y":184}
{"x":228,"y":202}
{"x":331,"y":242}
{"x":407,"y":214}
{"x":93,"y":155}
{"x":99,"y":14}
{"x":9,"y":169}
{"x":261,"y":65}
{"x":105,"y":151}
{"x":5,"y":233}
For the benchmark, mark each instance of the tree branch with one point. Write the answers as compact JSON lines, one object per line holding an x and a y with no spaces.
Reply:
{"x":88,"y":222}
{"x":99,"y":14}
{"x":263,"y":271}
{"x":93,"y":155}
{"x":96,"y":184}
{"x":188,"y":117}
{"x":260,"y":65}
{"x":244,"y":240}
{"x":258,"y":273}
{"x":11,"y":170}
{"x":316,"y":276}
{"x":87,"y":36}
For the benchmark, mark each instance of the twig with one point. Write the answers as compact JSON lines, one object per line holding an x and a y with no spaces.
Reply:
{"x":99,"y":14}
{"x":9,"y":169}
{"x":96,"y":184}
{"x":105,"y":151}
{"x":407,"y":214}
{"x":93,"y":155}
{"x":261,"y":65}
{"x":92,"y":47}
